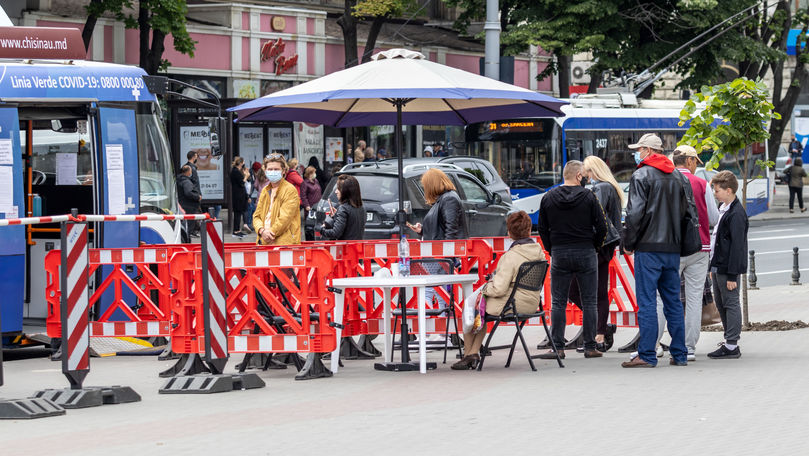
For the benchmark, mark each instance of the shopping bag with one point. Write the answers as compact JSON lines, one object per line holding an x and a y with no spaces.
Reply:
{"x":469,"y":307}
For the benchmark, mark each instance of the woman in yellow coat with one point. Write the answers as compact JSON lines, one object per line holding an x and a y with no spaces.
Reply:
{"x":277,"y":219}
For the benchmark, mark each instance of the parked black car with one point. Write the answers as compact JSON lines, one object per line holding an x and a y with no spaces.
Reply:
{"x":485,"y":211}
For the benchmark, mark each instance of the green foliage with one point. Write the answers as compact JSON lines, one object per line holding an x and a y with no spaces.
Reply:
{"x":744,"y":110}
{"x":164,"y":16}
{"x":386,"y":8}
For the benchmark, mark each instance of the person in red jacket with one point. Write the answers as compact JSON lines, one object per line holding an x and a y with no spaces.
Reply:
{"x":293,"y":177}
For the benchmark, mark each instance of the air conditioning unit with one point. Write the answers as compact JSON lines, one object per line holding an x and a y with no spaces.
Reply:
{"x":578,"y":73}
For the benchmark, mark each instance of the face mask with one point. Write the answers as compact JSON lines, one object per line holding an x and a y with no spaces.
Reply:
{"x":274,"y":176}
{"x":637,"y":157}
{"x":584,"y":181}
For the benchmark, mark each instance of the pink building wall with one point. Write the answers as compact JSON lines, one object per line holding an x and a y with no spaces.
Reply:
{"x":470,"y":63}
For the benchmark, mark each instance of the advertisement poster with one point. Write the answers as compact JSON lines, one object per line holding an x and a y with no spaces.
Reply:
{"x":209,"y":167}
{"x":251,"y":144}
{"x":279,"y":141}
{"x":245,"y":89}
{"x":308,"y":141}
{"x":334,"y":149}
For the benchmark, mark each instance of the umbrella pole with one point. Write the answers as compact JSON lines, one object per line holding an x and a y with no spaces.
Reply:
{"x":401,"y":219}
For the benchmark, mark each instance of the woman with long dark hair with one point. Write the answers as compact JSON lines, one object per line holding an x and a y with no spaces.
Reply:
{"x":347,"y":221}
{"x":238,"y":195}
{"x":611,"y":197}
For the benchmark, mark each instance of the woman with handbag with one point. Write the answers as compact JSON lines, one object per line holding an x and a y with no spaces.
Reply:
{"x":611,"y":197}
{"x":498,"y":289}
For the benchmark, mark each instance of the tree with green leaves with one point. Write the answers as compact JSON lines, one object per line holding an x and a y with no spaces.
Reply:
{"x":155,"y":20}
{"x":378,"y":12}
{"x":744,"y":109}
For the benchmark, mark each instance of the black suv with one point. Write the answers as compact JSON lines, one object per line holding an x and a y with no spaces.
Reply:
{"x":485,"y":211}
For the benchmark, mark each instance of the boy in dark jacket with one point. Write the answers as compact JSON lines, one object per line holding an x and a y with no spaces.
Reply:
{"x":728,"y":261}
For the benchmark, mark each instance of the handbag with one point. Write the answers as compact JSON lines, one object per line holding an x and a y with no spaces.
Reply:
{"x":710,"y":314}
{"x":690,"y":241}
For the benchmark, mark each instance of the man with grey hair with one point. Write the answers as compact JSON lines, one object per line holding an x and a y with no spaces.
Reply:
{"x":658,"y":204}
{"x":572,"y":226}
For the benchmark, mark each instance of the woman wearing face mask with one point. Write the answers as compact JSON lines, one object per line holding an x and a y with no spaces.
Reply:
{"x":611,"y":197}
{"x":277,"y":219}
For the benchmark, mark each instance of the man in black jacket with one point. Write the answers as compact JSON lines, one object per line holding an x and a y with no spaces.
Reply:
{"x":572,"y":226}
{"x":188,"y":197}
{"x":728,"y":261}
{"x":657,"y":205}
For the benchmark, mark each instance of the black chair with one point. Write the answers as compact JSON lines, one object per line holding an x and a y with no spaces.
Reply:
{"x":530,"y":276}
{"x":426,"y":266}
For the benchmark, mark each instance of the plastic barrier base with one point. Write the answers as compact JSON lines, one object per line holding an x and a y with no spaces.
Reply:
{"x":350,"y":350}
{"x":631,"y":346}
{"x":92,"y":396}
{"x":209,"y":384}
{"x":263,"y":361}
{"x":28,"y":409}
{"x":187,"y":364}
{"x":314,"y":368}
{"x":367,"y":345}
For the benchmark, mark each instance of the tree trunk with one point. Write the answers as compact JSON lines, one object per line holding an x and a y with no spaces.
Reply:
{"x":370,"y":43}
{"x":89,"y":27}
{"x":595,"y":81}
{"x":348,"y":24}
{"x":563,"y":70}
{"x":156,"y":52}
{"x":144,"y":29}
{"x":745,"y":312}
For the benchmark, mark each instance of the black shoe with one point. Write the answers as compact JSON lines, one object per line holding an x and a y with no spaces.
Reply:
{"x":724,"y":352}
{"x":608,"y":339}
{"x":468,"y":362}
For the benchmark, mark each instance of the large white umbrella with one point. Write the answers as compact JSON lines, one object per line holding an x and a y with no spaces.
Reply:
{"x":399,"y":87}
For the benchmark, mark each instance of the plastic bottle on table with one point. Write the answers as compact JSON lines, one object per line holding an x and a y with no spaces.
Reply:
{"x":404,"y":257}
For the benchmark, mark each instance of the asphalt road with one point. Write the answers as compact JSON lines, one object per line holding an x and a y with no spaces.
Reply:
{"x":773,"y":241}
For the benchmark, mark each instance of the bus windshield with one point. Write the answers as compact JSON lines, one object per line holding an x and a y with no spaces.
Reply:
{"x":524,"y":151}
{"x":157,"y":192}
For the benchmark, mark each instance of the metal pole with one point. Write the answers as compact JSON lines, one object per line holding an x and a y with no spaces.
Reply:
{"x":397,"y":138}
{"x":752,"y":276}
{"x":796,"y":272}
{"x":491,"y":59}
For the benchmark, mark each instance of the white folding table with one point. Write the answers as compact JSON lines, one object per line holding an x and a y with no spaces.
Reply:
{"x":420,"y":282}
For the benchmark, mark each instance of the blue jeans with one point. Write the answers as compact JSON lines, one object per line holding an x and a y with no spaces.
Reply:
{"x":566,"y":264}
{"x":659,"y":272}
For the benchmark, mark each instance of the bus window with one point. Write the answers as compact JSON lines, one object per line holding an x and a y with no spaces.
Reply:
{"x":61,"y":161}
{"x":157,"y":192}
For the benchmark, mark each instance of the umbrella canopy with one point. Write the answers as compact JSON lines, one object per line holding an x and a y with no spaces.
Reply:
{"x":430,"y":94}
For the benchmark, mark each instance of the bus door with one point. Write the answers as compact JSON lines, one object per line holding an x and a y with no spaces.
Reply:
{"x":12,"y":238}
{"x":118,"y":186}
{"x":57,"y":145}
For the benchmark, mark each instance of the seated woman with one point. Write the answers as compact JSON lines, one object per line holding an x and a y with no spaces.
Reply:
{"x":348,"y":220}
{"x":498,"y":289}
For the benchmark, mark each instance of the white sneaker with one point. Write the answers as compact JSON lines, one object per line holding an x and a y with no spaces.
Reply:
{"x":659,"y":351}
{"x":691,"y":357}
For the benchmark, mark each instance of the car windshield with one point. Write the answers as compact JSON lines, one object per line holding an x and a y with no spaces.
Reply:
{"x":374,"y":187}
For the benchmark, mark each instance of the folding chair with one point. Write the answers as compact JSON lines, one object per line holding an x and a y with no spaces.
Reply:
{"x":426,"y":266}
{"x":530,"y":276}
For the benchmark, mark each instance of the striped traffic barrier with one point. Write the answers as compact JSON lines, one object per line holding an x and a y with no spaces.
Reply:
{"x":215,"y":330}
{"x":74,"y":308}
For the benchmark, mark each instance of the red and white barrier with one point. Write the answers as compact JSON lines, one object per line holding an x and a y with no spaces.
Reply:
{"x":213,"y":284}
{"x":35,"y":220}
{"x":76,"y":336}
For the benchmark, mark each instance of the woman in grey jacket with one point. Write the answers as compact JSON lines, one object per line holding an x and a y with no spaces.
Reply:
{"x":348,"y":220}
{"x":796,"y":173}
